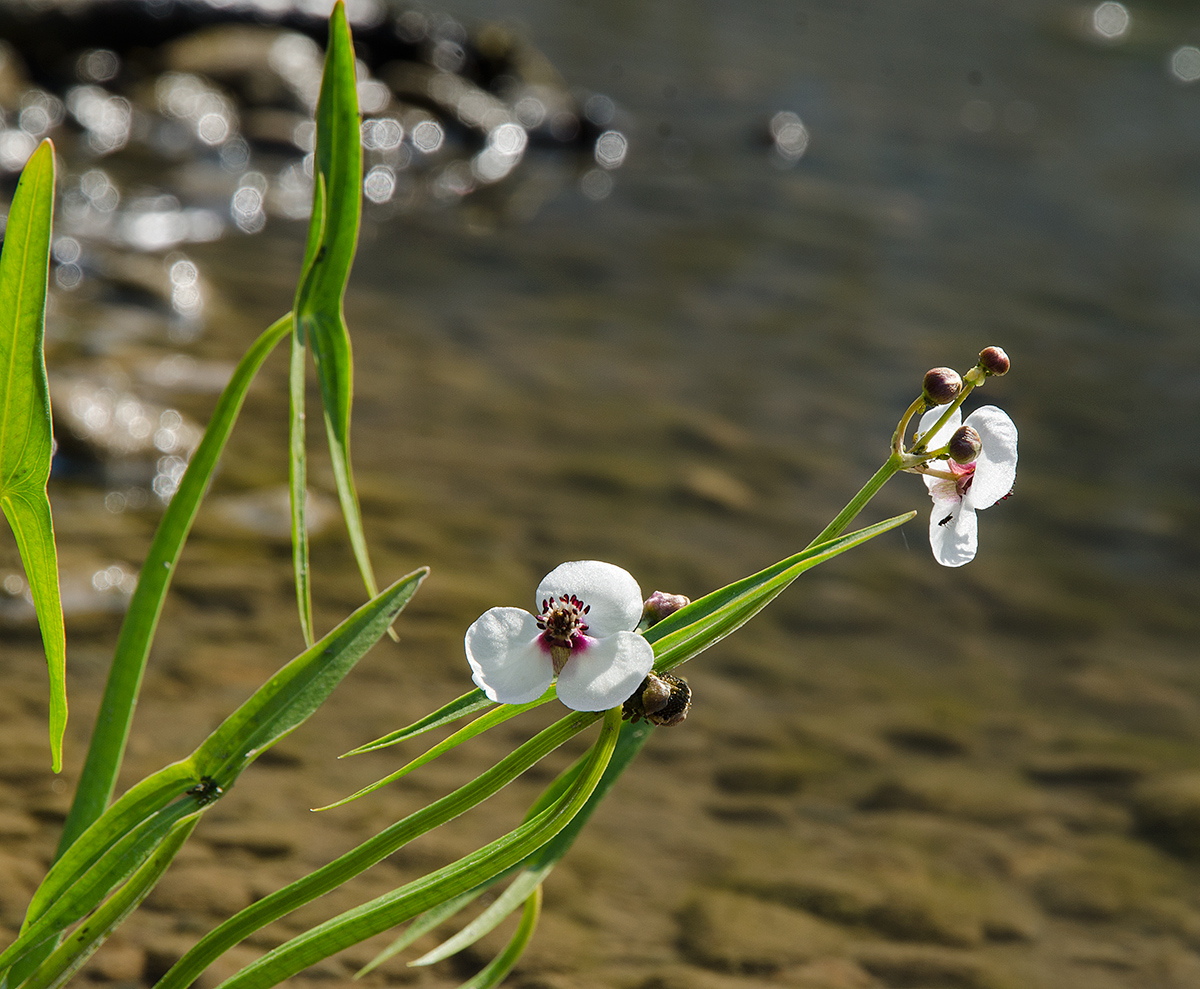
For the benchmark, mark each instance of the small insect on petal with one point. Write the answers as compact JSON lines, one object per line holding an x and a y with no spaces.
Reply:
{"x":946,"y":520}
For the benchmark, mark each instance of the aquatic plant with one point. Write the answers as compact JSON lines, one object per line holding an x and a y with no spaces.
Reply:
{"x":613,"y":654}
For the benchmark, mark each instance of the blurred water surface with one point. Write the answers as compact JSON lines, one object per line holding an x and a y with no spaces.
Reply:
{"x":688,"y":364}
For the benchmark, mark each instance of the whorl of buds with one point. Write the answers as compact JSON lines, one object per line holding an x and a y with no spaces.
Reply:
{"x":941,"y":385}
{"x":964,"y":445}
{"x":994,"y":361}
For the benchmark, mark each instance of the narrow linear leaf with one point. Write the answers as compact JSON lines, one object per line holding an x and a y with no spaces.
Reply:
{"x":298,"y":486}
{"x":518,"y":891}
{"x":26,"y":440}
{"x":106,"y":751}
{"x":423,"y":924}
{"x":296,"y":691}
{"x":497,"y":971}
{"x":460,"y":707}
{"x":124,"y":837}
{"x":358,"y":860}
{"x":406,"y":902}
{"x":83,"y":942}
{"x":321,"y":323}
{"x":495,"y":717}
{"x":694,"y":628}
{"x":297,"y":433}
{"x":114,"y":867}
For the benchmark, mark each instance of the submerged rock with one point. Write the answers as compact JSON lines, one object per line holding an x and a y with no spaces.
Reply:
{"x":1167,"y":813}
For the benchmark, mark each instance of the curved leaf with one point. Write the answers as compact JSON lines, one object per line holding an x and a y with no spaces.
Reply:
{"x":485,"y":722}
{"x":503,"y":963}
{"x":107,"y":748}
{"x":320,"y":321}
{"x":126,"y":835}
{"x":386,"y":911}
{"x":357,"y":860}
{"x":460,"y":707}
{"x":26,"y":441}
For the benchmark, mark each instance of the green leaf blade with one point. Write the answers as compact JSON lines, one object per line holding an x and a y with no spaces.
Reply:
{"x":461,"y":707}
{"x":483,"y":723}
{"x":106,"y":750}
{"x":332,"y":241}
{"x":709,"y":619}
{"x":125,"y":836}
{"x":401,"y":904}
{"x":499,"y":967}
{"x":26,"y":436}
{"x":297,"y":690}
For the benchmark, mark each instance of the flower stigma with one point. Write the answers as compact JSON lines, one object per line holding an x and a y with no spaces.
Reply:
{"x":562,"y":628}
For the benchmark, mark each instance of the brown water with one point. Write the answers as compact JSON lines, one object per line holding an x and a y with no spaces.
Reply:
{"x":898,"y":776}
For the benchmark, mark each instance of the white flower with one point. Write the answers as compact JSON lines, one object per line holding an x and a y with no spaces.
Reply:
{"x":583,"y":635}
{"x":969,"y":488}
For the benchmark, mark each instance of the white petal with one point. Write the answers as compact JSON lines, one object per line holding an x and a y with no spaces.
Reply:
{"x":612,"y":595}
{"x":942,"y":436}
{"x":954,"y":543}
{"x":605,"y":673}
{"x":996,"y":465}
{"x":507,"y":661}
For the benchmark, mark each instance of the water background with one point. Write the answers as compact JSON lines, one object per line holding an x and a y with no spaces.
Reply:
{"x":692,"y":374}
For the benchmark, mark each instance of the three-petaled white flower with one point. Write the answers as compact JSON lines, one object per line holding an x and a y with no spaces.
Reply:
{"x":953,"y":529}
{"x":583,"y":635}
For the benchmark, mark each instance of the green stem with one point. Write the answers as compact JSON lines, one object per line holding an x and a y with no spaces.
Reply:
{"x":107,"y":748}
{"x":894,"y":463}
{"x":968,"y":387}
{"x":898,"y":435}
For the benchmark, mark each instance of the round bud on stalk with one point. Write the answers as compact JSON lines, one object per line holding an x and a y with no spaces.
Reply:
{"x":964,"y":445}
{"x":942,"y":385}
{"x":993,"y":360}
{"x":660,"y":604}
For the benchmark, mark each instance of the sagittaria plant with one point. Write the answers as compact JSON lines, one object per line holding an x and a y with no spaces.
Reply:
{"x":593,"y":642}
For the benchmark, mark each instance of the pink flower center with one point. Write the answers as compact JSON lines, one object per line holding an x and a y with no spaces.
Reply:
{"x":964,"y":474}
{"x":562,"y":625}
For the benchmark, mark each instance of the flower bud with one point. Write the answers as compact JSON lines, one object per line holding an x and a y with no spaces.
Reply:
{"x":993,"y":360}
{"x":660,"y":604}
{"x":941,"y":385}
{"x":964,"y":445}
